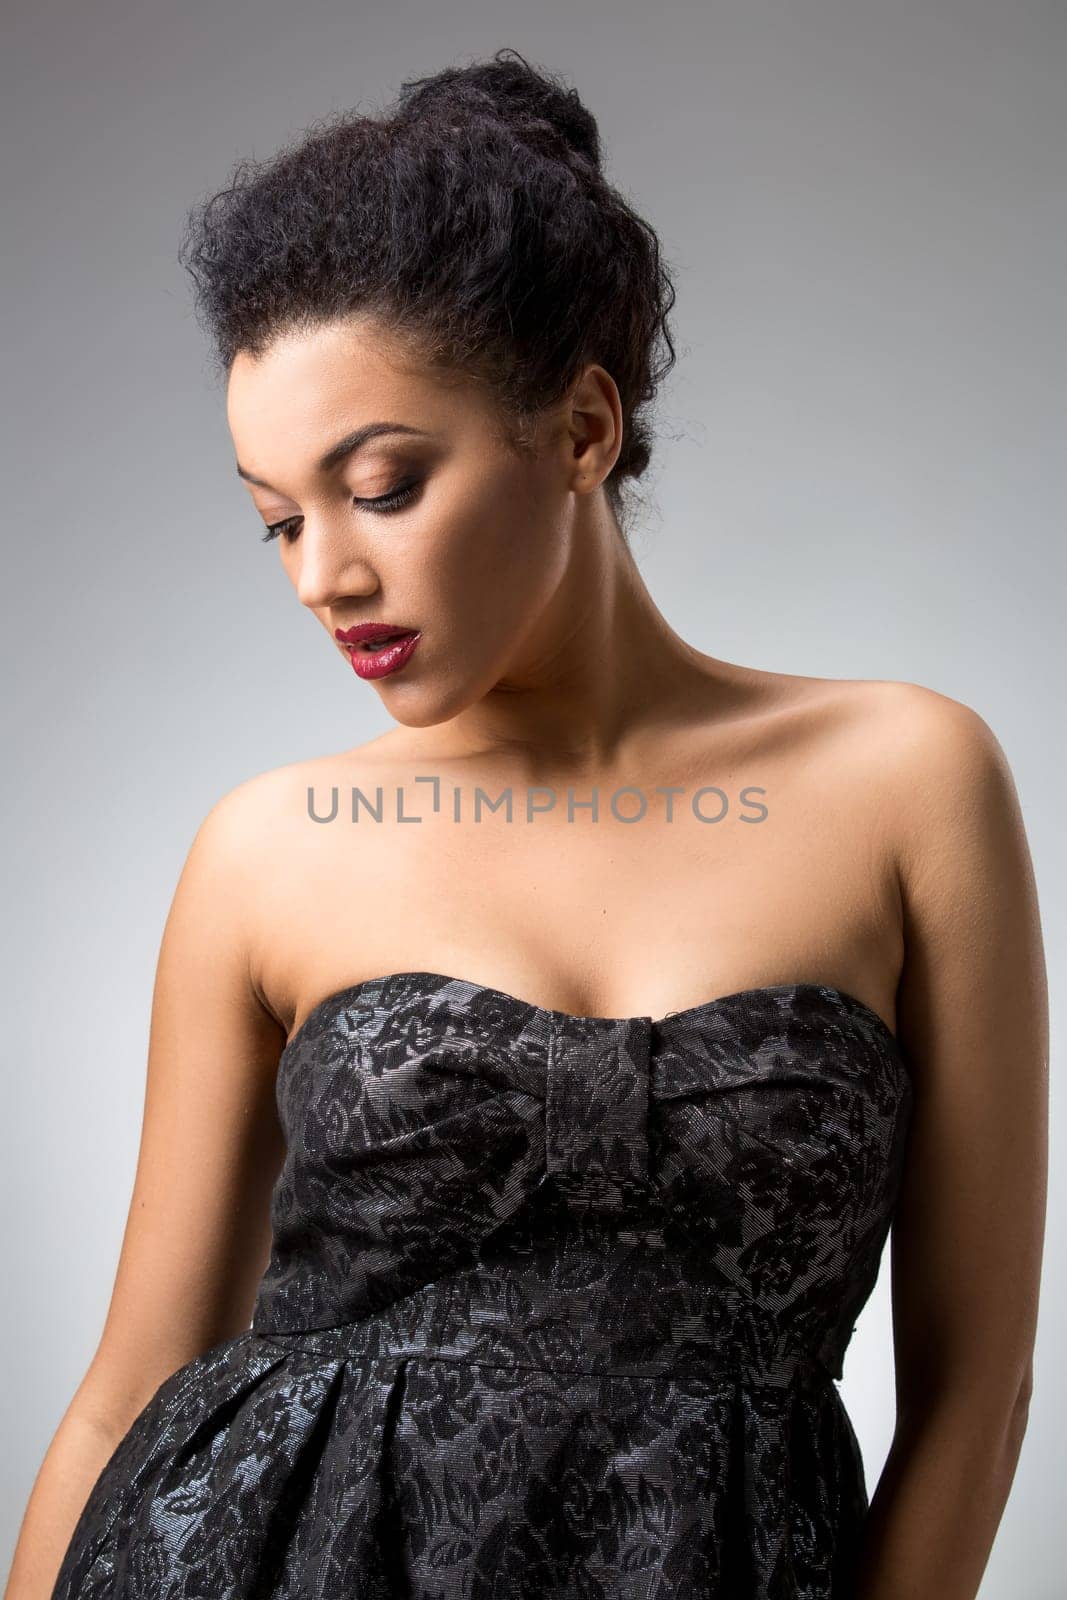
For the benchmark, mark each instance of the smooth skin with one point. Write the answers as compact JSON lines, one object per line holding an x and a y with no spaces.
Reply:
{"x":892,"y":864}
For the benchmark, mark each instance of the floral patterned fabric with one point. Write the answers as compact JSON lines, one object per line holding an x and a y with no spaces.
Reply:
{"x":554,"y":1308}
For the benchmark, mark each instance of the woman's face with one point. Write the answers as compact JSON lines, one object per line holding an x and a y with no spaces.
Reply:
{"x":441,"y":528}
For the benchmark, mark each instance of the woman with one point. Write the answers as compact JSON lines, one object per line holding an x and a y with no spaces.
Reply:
{"x":552,"y":1151}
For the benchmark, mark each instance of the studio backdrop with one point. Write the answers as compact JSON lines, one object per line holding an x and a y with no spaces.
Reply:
{"x":858,"y":473}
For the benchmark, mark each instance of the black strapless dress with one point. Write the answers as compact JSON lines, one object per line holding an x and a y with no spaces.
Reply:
{"x":554,"y":1308}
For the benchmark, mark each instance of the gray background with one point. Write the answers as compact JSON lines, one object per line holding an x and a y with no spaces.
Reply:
{"x":860,"y":474}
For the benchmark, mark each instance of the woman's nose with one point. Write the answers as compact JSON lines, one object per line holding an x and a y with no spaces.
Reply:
{"x":327,"y":567}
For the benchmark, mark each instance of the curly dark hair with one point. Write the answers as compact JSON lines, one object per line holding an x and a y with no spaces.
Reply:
{"x":474,"y":221}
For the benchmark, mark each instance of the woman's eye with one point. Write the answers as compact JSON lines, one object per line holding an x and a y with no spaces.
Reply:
{"x":275,"y":528}
{"x":402,"y":495}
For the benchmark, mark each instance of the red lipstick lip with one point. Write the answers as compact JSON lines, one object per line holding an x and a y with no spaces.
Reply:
{"x":368,"y":630}
{"x":371,"y":664}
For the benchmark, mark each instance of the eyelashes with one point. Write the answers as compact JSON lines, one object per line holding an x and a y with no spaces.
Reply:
{"x":395,"y":500}
{"x":276,"y":528}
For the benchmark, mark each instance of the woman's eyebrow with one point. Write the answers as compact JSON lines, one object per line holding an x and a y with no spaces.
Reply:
{"x":343,"y":448}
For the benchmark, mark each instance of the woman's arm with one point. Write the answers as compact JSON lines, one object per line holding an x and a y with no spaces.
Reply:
{"x":198,"y":1232}
{"x":968,"y":1235}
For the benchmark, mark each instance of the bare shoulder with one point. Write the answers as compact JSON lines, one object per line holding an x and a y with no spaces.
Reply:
{"x":910,"y":737}
{"x":941,"y":769}
{"x":955,"y":825}
{"x":913,"y":716}
{"x":256,"y":814}
{"x":944,"y":735}
{"x":920,"y":773}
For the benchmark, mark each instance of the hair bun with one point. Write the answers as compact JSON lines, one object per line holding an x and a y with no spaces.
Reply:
{"x":506,"y":88}
{"x":473,"y":221}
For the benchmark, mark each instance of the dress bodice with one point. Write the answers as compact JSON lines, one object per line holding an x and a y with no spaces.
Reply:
{"x":621,"y":1193}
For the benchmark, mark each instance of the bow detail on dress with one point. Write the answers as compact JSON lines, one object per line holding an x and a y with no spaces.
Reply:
{"x":592,"y":1086}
